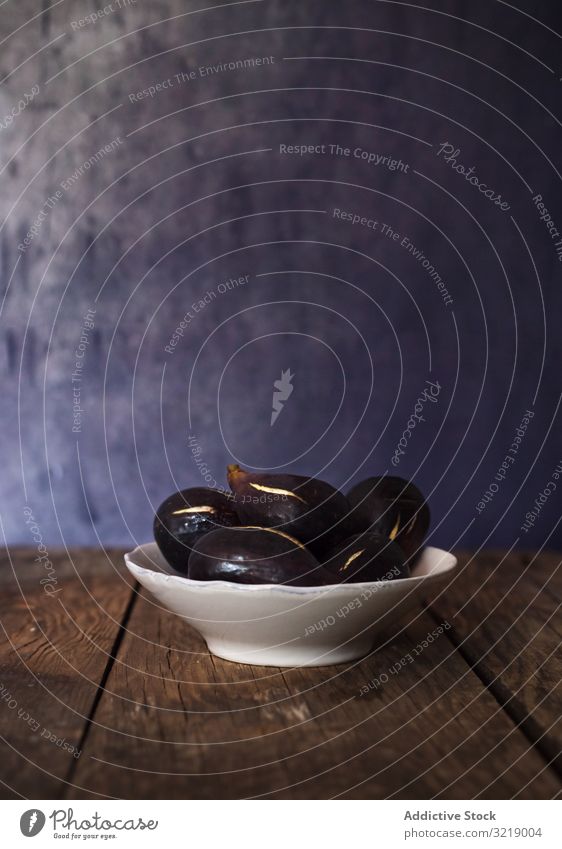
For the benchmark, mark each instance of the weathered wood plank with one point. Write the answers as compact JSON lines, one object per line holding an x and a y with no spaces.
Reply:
{"x":177,"y":723}
{"x":53,"y":654}
{"x":507,"y":623}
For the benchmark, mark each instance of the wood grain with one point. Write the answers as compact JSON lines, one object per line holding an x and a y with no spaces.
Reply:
{"x":156,"y":716}
{"x":506,"y":621}
{"x":182,"y":724}
{"x":52,"y":659}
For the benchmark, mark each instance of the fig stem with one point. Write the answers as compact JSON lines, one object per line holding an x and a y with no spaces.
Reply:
{"x":233,"y":473}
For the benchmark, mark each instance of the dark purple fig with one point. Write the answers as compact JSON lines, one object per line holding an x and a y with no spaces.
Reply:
{"x":251,"y":555}
{"x":185,"y":516}
{"x":394,"y":508}
{"x":306,"y":508}
{"x":367,"y":557}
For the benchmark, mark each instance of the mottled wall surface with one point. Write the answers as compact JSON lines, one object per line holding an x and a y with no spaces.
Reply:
{"x":159,"y":198}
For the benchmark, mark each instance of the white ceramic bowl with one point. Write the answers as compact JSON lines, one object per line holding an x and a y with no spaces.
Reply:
{"x":275,"y":625}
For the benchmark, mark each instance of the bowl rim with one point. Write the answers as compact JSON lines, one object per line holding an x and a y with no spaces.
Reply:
{"x":232,"y":586}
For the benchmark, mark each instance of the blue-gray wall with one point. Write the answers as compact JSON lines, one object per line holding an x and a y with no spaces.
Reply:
{"x":158,"y":199}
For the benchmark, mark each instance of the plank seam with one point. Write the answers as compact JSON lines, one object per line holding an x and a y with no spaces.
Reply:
{"x":67,"y":781}
{"x":507,"y":700}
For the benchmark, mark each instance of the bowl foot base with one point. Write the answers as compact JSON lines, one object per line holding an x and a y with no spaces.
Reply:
{"x":287,"y":657}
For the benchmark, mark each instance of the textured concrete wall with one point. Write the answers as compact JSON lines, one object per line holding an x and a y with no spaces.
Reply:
{"x":157,"y":199}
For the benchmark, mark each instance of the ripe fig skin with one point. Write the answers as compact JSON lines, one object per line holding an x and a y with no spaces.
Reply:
{"x":393,"y":507}
{"x":253,"y":555}
{"x":178,"y":524}
{"x":367,"y":557}
{"x":311,"y":510}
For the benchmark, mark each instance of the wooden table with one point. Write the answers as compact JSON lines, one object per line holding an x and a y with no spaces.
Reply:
{"x":102,"y":694}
